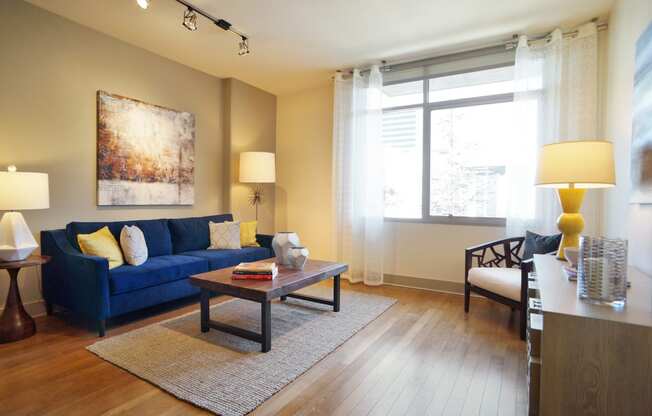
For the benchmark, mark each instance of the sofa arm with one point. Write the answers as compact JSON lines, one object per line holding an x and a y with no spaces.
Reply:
{"x":73,"y":280}
{"x":265,"y":240}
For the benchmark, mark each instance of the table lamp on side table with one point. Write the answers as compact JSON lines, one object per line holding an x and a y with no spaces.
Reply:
{"x":20,"y":191}
{"x":572,"y":167}
{"x":257,"y":168}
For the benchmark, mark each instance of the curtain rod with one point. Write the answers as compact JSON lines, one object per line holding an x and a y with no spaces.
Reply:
{"x":570,"y":34}
{"x":504,"y":45}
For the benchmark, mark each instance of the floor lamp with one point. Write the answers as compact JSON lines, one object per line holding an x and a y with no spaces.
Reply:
{"x":257,"y":168}
{"x":573,"y":167}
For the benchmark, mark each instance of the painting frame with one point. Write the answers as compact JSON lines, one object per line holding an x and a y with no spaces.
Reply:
{"x":641,"y":144}
{"x":145,"y":153}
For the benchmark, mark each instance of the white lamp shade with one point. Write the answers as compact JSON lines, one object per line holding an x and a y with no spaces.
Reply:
{"x":583,"y":164}
{"x":257,"y":167}
{"x":24,"y":190}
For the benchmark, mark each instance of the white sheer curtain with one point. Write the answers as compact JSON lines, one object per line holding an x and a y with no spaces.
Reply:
{"x":358,"y":175}
{"x":556,"y":99}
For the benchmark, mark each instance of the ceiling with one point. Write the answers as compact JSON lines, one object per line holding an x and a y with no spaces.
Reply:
{"x":297,"y":44}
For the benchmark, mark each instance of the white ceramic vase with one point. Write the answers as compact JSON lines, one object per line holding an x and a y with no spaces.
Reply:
{"x":281,"y":244}
{"x":297,"y":256}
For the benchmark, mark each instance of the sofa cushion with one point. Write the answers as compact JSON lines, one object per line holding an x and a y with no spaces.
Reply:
{"x":500,"y":280}
{"x":157,"y":237}
{"x":157,"y":233}
{"x":219,"y":259}
{"x":155,"y":271}
{"x":192,"y":233}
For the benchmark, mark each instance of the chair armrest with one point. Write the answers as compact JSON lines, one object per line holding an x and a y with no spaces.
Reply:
{"x":265,"y":240}
{"x":73,"y":280}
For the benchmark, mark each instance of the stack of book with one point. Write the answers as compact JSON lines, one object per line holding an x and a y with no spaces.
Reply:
{"x":255,"y":271}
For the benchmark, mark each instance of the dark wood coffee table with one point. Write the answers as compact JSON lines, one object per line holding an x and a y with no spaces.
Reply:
{"x":219,"y":282}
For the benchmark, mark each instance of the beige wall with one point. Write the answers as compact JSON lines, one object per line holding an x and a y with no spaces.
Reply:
{"x":249,"y":125}
{"x":303,"y":198}
{"x":627,"y":21}
{"x":304,"y":159}
{"x":51,"y":69}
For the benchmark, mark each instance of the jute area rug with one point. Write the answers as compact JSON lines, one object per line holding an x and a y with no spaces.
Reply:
{"x":229,"y":375}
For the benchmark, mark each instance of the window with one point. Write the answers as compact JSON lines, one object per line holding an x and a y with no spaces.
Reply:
{"x":454,"y":131}
{"x":403,"y":157}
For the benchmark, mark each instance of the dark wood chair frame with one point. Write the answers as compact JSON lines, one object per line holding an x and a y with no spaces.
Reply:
{"x":499,"y":253}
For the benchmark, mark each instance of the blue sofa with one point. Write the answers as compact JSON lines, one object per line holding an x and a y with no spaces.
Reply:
{"x":177,"y":249}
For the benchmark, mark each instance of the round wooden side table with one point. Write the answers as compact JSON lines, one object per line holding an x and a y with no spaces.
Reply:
{"x":15,"y":322}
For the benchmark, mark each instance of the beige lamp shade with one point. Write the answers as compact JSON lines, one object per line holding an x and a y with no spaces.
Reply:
{"x":24,"y":190}
{"x":582,"y":164}
{"x":257,"y":167}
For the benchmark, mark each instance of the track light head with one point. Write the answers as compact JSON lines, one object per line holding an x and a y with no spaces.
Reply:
{"x":190,"y":20}
{"x":244,"y":47}
{"x":144,"y":4}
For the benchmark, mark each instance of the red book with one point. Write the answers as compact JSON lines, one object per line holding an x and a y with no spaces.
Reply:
{"x":252,"y":277}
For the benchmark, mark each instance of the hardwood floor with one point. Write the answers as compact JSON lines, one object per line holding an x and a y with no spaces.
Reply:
{"x":421,"y":357}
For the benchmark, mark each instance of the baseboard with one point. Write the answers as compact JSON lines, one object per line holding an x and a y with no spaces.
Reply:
{"x":425,"y":284}
{"x":34,"y":308}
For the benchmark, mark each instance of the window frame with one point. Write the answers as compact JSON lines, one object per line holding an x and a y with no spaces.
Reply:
{"x":428,"y":107}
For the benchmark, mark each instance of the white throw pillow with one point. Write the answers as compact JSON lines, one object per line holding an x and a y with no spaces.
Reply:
{"x":225,"y":235}
{"x":134,"y":247}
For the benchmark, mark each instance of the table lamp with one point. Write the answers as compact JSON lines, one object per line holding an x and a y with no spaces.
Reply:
{"x":20,"y":191}
{"x":572,"y":167}
{"x":257,"y":168}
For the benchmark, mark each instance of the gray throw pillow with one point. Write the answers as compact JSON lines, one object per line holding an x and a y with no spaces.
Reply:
{"x":539,"y":244}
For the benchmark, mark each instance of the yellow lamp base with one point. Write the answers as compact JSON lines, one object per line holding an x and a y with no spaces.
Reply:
{"x":570,"y":222}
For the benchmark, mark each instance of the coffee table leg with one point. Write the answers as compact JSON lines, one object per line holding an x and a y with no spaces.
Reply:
{"x":204,"y":303}
{"x":336,"y":293}
{"x":266,"y":326}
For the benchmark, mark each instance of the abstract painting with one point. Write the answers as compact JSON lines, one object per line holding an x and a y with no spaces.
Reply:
{"x":145,"y":153}
{"x":641,"y":168}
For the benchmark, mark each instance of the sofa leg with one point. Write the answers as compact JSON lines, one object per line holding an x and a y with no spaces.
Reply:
{"x":48,"y":308}
{"x":467,"y":297}
{"x":101,"y":327}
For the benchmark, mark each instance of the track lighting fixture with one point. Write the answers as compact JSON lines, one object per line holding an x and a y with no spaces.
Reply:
{"x":244,"y":46}
{"x":190,"y":20}
{"x":190,"y":23}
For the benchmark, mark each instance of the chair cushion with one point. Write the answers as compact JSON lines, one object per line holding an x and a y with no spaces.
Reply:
{"x":155,"y":271}
{"x":499,"y":280}
{"x":219,"y":259}
{"x":190,"y":234}
{"x":157,"y":233}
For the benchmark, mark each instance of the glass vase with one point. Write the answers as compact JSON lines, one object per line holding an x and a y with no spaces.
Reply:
{"x":602,"y":270}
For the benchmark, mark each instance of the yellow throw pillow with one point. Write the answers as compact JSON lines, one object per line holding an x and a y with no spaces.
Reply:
{"x":101,"y":243}
{"x":248,"y":234}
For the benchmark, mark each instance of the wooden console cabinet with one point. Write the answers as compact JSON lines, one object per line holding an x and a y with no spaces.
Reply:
{"x":587,"y":359}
